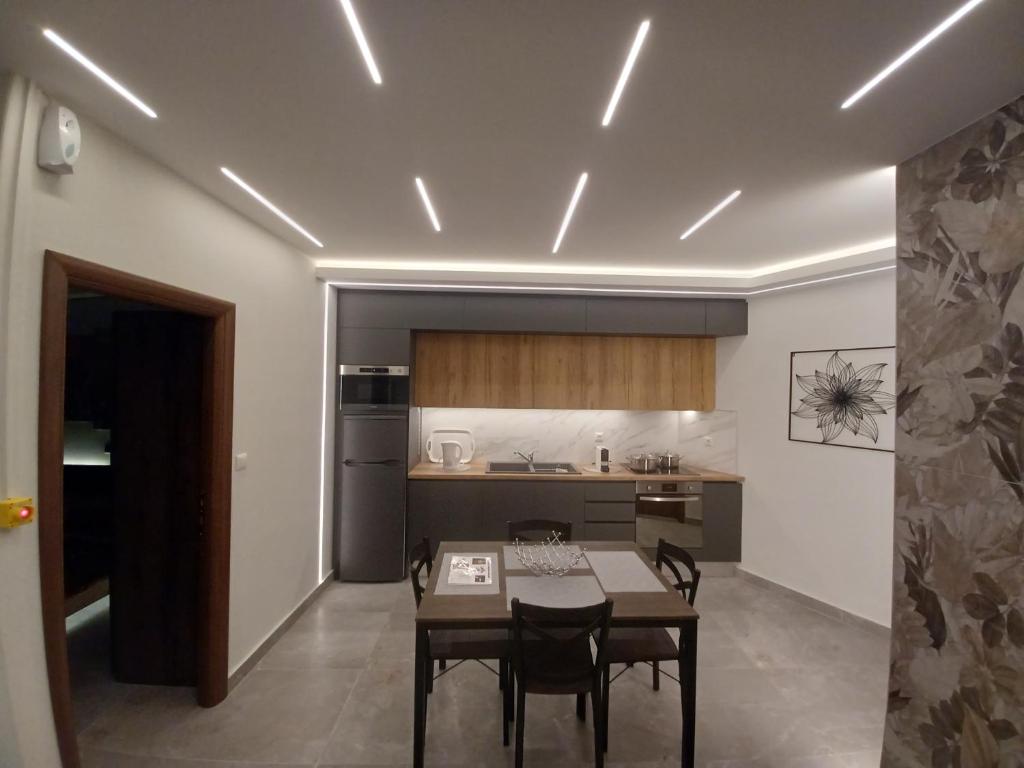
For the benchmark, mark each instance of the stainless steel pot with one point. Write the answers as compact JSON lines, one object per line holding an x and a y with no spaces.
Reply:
{"x":643,"y":462}
{"x":669,"y":462}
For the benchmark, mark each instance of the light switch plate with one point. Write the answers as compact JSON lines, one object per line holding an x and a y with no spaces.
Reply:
{"x":241,"y":459}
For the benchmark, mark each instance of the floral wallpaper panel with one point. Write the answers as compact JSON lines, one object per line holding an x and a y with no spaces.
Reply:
{"x":956,"y":691}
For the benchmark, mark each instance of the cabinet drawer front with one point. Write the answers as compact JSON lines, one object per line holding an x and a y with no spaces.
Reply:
{"x":607,"y":511}
{"x":609,"y":532}
{"x":607,"y":491}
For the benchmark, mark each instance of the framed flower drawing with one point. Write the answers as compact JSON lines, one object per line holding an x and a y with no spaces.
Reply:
{"x":844,"y":397}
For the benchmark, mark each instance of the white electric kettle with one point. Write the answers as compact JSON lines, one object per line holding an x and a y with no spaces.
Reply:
{"x":451,"y":454}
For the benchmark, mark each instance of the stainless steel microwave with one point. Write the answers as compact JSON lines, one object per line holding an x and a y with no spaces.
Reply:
{"x":374,"y":388}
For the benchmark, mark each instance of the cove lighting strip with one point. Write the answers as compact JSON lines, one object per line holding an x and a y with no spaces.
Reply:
{"x":364,"y":46}
{"x":574,"y":270}
{"x":579,"y":289}
{"x":710,"y":215}
{"x":323,"y":441}
{"x":82,"y":59}
{"x":627,"y":68}
{"x":570,"y":210}
{"x":271,"y":207}
{"x":426,"y":204}
{"x":912,"y":51}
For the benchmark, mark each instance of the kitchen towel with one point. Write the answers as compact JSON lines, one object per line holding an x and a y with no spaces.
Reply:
{"x":623,"y":572}
{"x":512,"y":562}
{"x":554,"y":591}
{"x":444,"y":588}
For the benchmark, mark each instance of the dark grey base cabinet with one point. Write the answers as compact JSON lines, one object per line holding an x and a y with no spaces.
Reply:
{"x":479,"y":510}
{"x":466,"y":510}
{"x":723,"y":524}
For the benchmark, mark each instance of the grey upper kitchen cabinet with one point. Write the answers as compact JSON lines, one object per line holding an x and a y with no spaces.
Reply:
{"x":525,"y":314}
{"x":382,"y":309}
{"x":374,"y":346}
{"x":663,"y":317}
{"x":727,"y":317}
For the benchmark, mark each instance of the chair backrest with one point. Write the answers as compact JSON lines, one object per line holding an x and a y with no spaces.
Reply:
{"x":552,"y":635}
{"x":538,"y":530}
{"x":419,"y":557}
{"x":673,"y":556}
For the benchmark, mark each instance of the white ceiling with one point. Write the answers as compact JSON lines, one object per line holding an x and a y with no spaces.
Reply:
{"x":497,"y":105}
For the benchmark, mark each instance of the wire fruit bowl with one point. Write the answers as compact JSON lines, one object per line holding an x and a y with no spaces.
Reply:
{"x":548,"y":558}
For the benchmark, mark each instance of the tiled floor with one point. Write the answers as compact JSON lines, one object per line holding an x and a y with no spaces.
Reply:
{"x":778,"y":685}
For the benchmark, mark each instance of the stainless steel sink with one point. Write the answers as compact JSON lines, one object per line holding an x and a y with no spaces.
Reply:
{"x":538,"y":468}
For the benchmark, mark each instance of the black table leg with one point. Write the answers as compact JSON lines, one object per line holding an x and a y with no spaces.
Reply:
{"x":688,"y":688}
{"x":419,"y":718}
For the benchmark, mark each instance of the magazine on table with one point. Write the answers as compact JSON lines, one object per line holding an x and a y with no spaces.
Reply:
{"x":469,"y":570}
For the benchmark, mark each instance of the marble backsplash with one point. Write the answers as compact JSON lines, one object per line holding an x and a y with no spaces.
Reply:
{"x":565,"y":435}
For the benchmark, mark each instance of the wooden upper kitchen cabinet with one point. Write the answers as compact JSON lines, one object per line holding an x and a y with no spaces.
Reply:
{"x":476,"y":370}
{"x":606,"y":372}
{"x":557,"y":369}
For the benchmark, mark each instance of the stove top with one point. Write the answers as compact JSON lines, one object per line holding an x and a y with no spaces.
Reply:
{"x":681,"y":470}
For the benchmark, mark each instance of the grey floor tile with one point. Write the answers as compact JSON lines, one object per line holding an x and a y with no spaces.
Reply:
{"x":272,"y":716}
{"x":780,"y":685}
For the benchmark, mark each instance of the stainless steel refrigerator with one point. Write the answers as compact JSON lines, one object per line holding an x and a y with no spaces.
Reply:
{"x":373,"y":466}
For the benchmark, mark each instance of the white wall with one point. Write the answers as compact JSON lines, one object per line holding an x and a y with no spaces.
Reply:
{"x":124,"y":210}
{"x":817,"y":519}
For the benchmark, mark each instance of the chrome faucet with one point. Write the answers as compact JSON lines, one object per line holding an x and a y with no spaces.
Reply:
{"x":528,"y":458}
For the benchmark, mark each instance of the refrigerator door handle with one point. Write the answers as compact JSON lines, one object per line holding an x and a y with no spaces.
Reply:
{"x":372,"y":463}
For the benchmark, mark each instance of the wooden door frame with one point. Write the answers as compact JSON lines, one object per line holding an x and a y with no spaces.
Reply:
{"x":61,"y":273}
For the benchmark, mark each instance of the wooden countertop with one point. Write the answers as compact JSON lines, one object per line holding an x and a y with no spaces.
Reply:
{"x":426,"y":470}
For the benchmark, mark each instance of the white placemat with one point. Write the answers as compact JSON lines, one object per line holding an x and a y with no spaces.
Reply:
{"x":554,"y":591}
{"x":444,"y":588}
{"x":623,"y":572}
{"x":512,"y":562}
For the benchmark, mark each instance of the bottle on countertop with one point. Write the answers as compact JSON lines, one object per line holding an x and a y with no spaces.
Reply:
{"x":601,"y":455}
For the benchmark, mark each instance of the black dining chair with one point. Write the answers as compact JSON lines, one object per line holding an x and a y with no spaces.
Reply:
{"x":539,"y":530}
{"x":551,"y":655}
{"x":651,"y":646}
{"x":461,"y":645}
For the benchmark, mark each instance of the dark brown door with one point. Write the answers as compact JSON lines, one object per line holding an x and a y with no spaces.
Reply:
{"x":156,"y":444}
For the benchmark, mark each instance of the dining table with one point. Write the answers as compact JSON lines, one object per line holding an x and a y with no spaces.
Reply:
{"x":619,"y":570}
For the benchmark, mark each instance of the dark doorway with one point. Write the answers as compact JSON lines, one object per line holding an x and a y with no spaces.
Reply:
{"x":132,"y":496}
{"x":134,"y":480}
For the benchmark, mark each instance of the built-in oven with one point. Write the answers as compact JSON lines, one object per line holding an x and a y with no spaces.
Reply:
{"x":669,"y":510}
{"x":374,"y":388}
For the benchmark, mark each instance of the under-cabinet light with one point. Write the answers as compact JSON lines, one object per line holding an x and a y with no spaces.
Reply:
{"x":426,"y":204}
{"x":364,"y":46}
{"x":569,"y":211}
{"x":911,"y":51}
{"x":82,"y":59}
{"x":271,"y":207}
{"x":709,"y":215}
{"x":627,"y":68}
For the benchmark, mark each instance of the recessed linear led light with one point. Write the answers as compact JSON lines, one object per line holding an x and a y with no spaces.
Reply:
{"x":426,"y":204}
{"x":913,"y":50}
{"x":634,"y":51}
{"x":364,"y":46}
{"x":569,"y":211}
{"x":270,"y":206}
{"x":708,"y":216}
{"x":323,"y":437}
{"x":82,"y":59}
